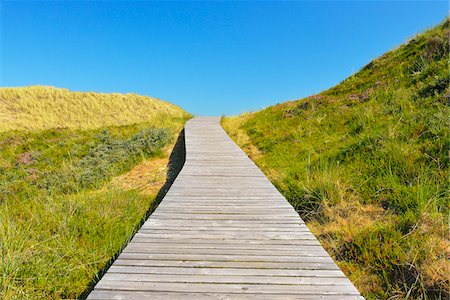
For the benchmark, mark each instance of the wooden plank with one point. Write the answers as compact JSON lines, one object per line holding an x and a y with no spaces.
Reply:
{"x":223,"y":231}
{"x":261,"y":243}
{"x":227,"y":264}
{"x":226,"y":271}
{"x":229,"y":236}
{"x":227,"y":288}
{"x":227,"y":246}
{"x":143,"y":248}
{"x":231,"y":279}
{"x":217,"y":228}
{"x":153,"y":221}
{"x":224,"y":257}
{"x":137,"y":295}
{"x":224,"y":217}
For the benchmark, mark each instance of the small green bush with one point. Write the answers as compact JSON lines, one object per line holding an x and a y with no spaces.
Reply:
{"x":107,"y":157}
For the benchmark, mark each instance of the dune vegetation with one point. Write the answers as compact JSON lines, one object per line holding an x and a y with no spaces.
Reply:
{"x":365,"y":163}
{"x":66,"y":207}
{"x":41,"y":107}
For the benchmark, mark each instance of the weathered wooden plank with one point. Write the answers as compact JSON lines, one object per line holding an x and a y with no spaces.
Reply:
{"x":143,"y":248}
{"x":227,"y":246}
{"x":223,"y":231}
{"x":226,"y":271}
{"x":224,"y":257}
{"x":216,"y":229}
{"x":224,"y":212}
{"x":231,"y":279}
{"x":223,"y":217}
{"x":227,"y":264}
{"x":261,"y":243}
{"x":137,"y":295}
{"x":293,"y":231}
{"x":269,"y":223}
{"x":229,"y":236}
{"x":227,"y":288}
{"x":224,"y":204}
{"x":235,"y":209}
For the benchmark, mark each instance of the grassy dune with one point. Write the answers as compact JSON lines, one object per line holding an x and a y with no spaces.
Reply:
{"x":65,"y":206}
{"x":365,"y":163}
{"x":39,"y":107}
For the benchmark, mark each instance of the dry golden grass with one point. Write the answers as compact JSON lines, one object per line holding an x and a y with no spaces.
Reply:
{"x":147,"y":177}
{"x":38,"y":107}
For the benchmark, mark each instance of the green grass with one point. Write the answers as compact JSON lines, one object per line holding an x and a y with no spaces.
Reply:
{"x":61,"y":217}
{"x":365,"y":163}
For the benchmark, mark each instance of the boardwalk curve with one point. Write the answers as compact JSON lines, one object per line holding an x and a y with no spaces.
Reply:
{"x":223,"y":231}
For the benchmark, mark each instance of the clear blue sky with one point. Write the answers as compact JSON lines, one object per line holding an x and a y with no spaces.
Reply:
{"x":211,"y":58}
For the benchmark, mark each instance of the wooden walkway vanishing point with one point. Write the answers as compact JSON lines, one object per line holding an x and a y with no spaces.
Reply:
{"x":223,"y":231}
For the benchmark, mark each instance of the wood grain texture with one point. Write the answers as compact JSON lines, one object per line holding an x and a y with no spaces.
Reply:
{"x":223,"y":231}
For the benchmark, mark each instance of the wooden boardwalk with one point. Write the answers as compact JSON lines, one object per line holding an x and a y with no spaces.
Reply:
{"x":223,"y":231}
